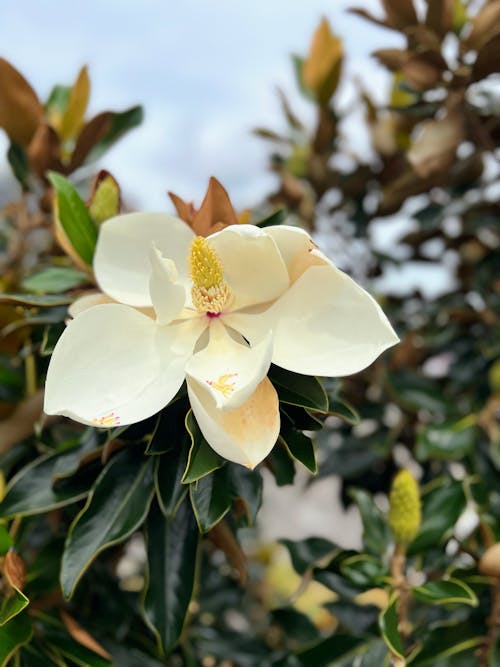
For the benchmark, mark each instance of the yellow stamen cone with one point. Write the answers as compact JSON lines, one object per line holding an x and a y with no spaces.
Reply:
{"x":404,"y":508}
{"x":210,"y":292}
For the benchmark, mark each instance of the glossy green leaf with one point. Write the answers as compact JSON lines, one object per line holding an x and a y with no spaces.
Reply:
{"x":301,"y":448}
{"x":307,"y":553}
{"x":388,"y":623}
{"x":364,"y":570}
{"x":5,"y":540}
{"x":276,"y":218}
{"x":117,"y":505}
{"x":446,"y":441}
{"x":202,"y":459}
{"x":281,"y":465}
{"x":336,"y":648}
{"x":441,"y":507}
{"x":31,"y":490}
{"x":211,"y":498}
{"x":54,"y":279}
{"x":41,"y":300}
{"x":449,"y":591}
{"x":169,"y":469}
{"x":300,"y":418}
{"x":18,"y":160}
{"x":246,"y":486}
{"x":74,"y":218}
{"x":301,"y":390}
{"x":445,"y":641}
{"x":297,"y":626}
{"x":13,"y":635}
{"x":376,"y":531}
{"x":121,"y":123}
{"x":376,"y":655}
{"x":171,"y":549}
{"x":58,"y":100}
{"x":63,"y":645}
{"x":355,"y":618}
{"x":170,"y":428}
{"x":12,"y":604}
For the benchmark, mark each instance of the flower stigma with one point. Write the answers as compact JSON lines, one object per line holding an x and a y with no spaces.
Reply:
{"x":210,"y":292}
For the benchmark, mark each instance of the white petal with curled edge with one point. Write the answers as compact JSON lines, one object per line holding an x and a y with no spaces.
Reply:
{"x":113,"y":365}
{"x":88,"y":301}
{"x":326,"y":324}
{"x":122,"y":265}
{"x":167,"y":295}
{"x":297,"y":248}
{"x":251,"y":263}
{"x":230,"y":370}
{"x":244,"y":435}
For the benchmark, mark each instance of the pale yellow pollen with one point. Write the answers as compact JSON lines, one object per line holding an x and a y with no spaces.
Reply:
{"x":223,"y":384}
{"x":210,"y":292}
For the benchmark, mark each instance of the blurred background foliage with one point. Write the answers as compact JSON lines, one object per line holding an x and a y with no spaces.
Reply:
{"x":134,"y":546}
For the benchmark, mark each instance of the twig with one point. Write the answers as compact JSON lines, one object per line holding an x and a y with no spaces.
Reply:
{"x":400,"y":584}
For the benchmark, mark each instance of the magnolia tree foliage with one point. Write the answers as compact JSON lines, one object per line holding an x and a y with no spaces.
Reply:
{"x":124,"y":526}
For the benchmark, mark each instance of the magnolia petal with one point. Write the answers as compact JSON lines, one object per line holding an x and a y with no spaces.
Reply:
{"x":228,"y":369}
{"x":167,"y":295}
{"x":114,"y":365}
{"x":244,"y":435}
{"x":121,"y":263}
{"x":87,"y":301}
{"x":297,"y":248}
{"x":326,"y":324}
{"x":252,"y":264}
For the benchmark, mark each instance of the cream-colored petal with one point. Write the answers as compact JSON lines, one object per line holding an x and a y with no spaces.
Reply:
{"x":168,"y":296}
{"x":252,"y":264}
{"x":113,"y":365}
{"x":326,"y":324}
{"x":87,"y":301}
{"x":244,"y":435}
{"x":122,"y":264}
{"x":297,"y":248}
{"x":230,"y":370}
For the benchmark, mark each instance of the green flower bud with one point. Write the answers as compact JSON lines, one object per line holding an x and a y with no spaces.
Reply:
{"x":404,"y":508}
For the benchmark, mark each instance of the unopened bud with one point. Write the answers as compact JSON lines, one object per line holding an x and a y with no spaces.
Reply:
{"x":404,"y":508}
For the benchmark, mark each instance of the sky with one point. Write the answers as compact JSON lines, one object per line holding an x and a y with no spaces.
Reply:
{"x":206,"y":73}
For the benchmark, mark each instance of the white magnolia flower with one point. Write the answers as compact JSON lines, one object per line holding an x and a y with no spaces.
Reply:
{"x":216,"y":311}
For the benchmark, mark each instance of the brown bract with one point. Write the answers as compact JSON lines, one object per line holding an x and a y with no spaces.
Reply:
{"x":20,"y":108}
{"x":215,"y":212}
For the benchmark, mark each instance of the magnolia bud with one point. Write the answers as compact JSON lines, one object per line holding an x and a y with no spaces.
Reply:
{"x":404,"y":508}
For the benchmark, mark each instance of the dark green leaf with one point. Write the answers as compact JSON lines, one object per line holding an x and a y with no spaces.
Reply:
{"x":117,"y":505}
{"x":5,"y":540}
{"x":328,"y":652}
{"x":19,"y":163}
{"x":12,"y":605}
{"x":42,"y":300}
{"x":170,"y":427}
{"x":446,"y":441}
{"x":353,"y":617}
{"x":307,"y":553}
{"x":275,"y":218}
{"x":441,"y":507}
{"x":58,"y":100}
{"x":297,"y":626}
{"x":211,"y":498}
{"x":302,"y":390}
{"x":121,"y":123}
{"x":13,"y":635}
{"x":169,"y":469}
{"x":171,"y":547}
{"x":202,"y":458}
{"x":54,"y":279}
{"x":449,"y":591}
{"x":31,"y":490}
{"x":301,"y":448}
{"x":364,"y":570}
{"x":74,"y":218}
{"x":246,"y":485}
{"x":388,"y":623}
{"x":376,"y":655}
{"x":63,"y":645}
{"x":281,"y":465}
{"x":376,"y":531}
{"x":445,"y":641}
{"x":300,"y":418}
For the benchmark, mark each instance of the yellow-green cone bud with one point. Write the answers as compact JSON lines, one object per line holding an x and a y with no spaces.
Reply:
{"x":404,"y":508}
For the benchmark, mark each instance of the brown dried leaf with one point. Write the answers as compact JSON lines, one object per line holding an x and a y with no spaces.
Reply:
{"x":424,"y":71}
{"x":393,"y":59}
{"x":73,"y":118}
{"x":485,"y":25}
{"x":488,"y":60}
{"x":321,"y":69}
{"x":44,"y":151}
{"x":291,"y":117}
{"x":400,"y":13}
{"x":185,"y":210}
{"x":216,"y":210}
{"x":439,"y":16}
{"x":360,"y":11}
{"x":20,"y":109}
{"x":435,"y":147}
{"x":81,"y":636}
{"x":223,"y":538}
{"x":14,"y":570}
{"x":91,"y":134}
